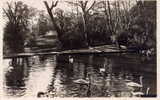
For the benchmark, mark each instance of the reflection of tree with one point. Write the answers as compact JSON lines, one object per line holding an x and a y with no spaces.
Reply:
{"x":15,"y":78}
{"x":79,"y":68}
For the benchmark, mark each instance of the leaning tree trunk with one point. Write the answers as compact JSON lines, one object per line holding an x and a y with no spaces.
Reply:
{"x":49,"y":9}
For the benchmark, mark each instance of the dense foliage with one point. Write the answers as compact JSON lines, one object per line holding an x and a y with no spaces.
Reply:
{"x":16,"y":29}
{"x":100,"y":23}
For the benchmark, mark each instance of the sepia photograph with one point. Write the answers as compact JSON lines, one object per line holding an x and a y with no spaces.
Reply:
{"x":79,"y":48}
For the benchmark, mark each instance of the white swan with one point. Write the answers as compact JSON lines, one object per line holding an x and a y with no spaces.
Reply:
{"x":102,"y":70}
{"x":140,"y":93}
{"x":133,"y":84}
{"x":81,"y":81}
{"x":147,"y":91}
{"x":137,"y":93}
{"x":71,"y":59}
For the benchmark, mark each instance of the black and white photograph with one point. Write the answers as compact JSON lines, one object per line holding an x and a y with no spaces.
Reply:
{"x":79,"y":48}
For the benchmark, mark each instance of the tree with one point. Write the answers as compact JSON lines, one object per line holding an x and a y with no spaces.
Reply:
{"x":57,"y":28}
{"x":16,"y":28}
{"x":117,"y":18}
{"x":143,"y":26}
{"x":85,"y":16}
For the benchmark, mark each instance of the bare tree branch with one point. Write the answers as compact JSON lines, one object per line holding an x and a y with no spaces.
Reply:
{"x":9,"y":17}
{"x":82,"y":6}
{"x":91,"y":6}
{"x":54,"y":4}
{"x":85,"y":4}
{"x":10,"y":12}
{"x":59,"y":31}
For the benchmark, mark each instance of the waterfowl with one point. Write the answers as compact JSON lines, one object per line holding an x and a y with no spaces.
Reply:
{"x":147,"y":91}
{"x":98,"y":50}
{"x":137,"y":93}
{"x":71,"y":59}
{"x":102,"y":70}
{"x":91,"y":48}
{"x":140,"y":93}
{"x":133,"y":84}
{"x":123,"y":47}
{"x":81,"y":81}
{"x":10,"y":68}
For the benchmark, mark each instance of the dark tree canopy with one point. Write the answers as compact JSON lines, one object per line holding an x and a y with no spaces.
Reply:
{"x":17,"y":25}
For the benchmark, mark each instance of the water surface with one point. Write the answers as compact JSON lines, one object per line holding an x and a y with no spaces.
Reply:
{"x":107,"y":75}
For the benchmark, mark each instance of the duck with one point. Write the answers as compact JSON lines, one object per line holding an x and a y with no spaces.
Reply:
{"x":98,"y":50}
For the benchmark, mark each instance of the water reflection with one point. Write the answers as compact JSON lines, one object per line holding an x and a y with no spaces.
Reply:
{"x":15,"y":76}
{"x":80,"y":76}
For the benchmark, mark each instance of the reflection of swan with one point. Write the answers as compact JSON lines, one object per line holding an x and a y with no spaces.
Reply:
{"x":70,"y":59}
{"x":133,"y":84}
{"x":40,"y":94}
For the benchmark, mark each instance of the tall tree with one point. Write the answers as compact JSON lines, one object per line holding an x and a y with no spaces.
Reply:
{"x":57,"y":28}
{"x":144,"y":23}
{"x":16,"y":28}
{"x":111,"y":24}
{"x":85,"y":16}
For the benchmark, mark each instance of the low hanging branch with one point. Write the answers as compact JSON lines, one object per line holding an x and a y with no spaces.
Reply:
{"x":93,"y":4}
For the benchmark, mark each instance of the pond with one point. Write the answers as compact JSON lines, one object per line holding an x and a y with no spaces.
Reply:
{"x":100,"y":75}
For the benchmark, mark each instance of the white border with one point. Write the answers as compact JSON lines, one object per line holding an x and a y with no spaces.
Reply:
{"x":121,"y":98}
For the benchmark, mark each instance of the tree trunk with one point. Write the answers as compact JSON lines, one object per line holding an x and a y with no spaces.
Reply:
{"x":59,"y":31}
